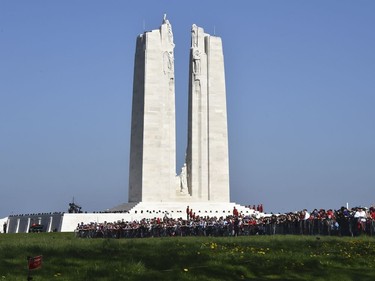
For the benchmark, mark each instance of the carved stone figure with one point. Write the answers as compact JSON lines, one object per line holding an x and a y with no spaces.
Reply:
{"x":168,"y":62}
{"x":196,"y":62}
{"x":194,"y":36}
{"x":183,"y":179}
{"x":170,"y":33}
{"x":169,"y":28}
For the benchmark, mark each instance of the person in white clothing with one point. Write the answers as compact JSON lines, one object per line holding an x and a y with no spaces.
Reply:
{"x":361,"y":215}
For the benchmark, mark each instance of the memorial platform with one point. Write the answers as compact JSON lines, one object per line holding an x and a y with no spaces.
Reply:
{"x":149,"y":210}
{"x":67,"y":222}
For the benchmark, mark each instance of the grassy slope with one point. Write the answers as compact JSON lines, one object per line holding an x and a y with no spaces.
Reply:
{"x":188,"y":258}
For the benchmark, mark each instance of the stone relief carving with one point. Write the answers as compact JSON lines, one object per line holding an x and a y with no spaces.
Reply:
{"x":170,"y":33}
{"x":196,"y":61}
{"x":168,"y":63}
{"x":183,"y":179}
{"x":194,"y":36}
{"x":169,"y":28}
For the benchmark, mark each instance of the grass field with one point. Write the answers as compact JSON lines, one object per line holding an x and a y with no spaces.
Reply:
{"x":188,"y":258}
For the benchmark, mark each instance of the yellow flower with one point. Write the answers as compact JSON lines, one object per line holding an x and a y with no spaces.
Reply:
{"x":213,"y":245}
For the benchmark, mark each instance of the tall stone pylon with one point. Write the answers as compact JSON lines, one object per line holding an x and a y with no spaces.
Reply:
{"x":152,"y":169}
{"x":207,"y":158}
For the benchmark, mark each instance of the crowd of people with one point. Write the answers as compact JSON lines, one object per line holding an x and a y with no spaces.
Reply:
{"x":341,"y":222}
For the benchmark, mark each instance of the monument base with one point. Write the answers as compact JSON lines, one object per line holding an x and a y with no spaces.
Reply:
{"x":67,"y":222}
{"x":148,"y":210}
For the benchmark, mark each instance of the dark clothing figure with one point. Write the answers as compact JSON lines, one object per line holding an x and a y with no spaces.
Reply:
{"x":235,"y":212}
{"x":236,"y":227}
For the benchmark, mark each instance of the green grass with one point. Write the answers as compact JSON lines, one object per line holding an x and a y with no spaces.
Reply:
{"x":188,"y":258}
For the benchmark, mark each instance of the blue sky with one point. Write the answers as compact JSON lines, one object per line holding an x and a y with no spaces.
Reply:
{"x":300,"y":78}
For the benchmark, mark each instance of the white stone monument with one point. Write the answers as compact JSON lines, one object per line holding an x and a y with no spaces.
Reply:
{"x":154,"y":188}
{"x":205,"y":175}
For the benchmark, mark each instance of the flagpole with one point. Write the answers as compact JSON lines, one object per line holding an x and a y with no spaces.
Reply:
{"x":29,"y":278}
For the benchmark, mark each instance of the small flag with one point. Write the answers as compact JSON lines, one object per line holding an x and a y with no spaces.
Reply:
{"x":35,"y":262}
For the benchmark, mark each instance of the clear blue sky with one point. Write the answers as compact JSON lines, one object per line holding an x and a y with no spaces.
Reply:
{"x":300,"y":79}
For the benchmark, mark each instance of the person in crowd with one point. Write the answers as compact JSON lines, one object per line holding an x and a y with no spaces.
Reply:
{"x":372,"y":221}
{"x":360,"y":216}
{"x":235,"y":211}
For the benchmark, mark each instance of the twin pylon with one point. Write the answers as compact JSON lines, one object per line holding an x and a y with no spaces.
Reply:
{"x":152,"y":169}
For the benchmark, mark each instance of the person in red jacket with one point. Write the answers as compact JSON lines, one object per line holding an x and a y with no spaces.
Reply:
{"x":235,"y":211}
